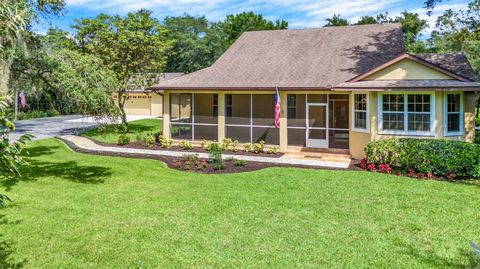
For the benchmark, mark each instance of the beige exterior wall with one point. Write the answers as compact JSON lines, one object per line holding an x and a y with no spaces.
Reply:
{"x":357,"y":140}
{"x":407,"y":69}
{"x":146,"y":104}
{"x":469,"y":101}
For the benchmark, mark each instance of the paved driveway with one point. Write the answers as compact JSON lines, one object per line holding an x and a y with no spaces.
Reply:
{"x":57,"y":126}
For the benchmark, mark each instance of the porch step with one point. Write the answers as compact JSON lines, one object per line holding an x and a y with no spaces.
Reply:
{"x":334,"y":157}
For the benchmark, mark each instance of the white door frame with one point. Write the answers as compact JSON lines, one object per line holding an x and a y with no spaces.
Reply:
{"x":316,"y":143}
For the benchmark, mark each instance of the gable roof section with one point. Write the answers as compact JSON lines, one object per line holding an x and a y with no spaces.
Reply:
{"x":297,"y":59}
{"x":454,"y":62}
{"x":457,"y":66}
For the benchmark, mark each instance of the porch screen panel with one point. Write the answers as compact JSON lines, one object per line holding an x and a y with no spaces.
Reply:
{"x":263,"y":118}
{"x":296,"y":118}
{"x":269,"y":135}
{"x":181,"y":116}
{"x":205,"y":116}
{"x":242,"y":134}
{"x":237,"y":109}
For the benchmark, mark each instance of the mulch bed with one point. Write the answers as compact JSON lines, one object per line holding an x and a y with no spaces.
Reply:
{"x":172,"y":162}
{"x":156,"y":146}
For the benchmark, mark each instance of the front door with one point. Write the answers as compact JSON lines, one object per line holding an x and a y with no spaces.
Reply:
{"x":317,"y":125}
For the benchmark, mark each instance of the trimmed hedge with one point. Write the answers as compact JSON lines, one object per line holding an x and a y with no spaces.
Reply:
{"x":438,"y":156}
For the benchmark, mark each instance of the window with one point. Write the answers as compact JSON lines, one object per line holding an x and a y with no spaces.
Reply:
{"x":291,"y":106}
{"x":360,"y":112}
{"x":215,"y":105}
{"x":406,"y":113}
{"x":419,"y":113}
{"x":393,"y":109}
{"x":453,"y":114}
{"x":228,"y":105}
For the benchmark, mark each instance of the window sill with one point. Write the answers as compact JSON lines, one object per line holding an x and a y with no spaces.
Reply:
{"x":365,"y":131}
{"x":399,"y":133}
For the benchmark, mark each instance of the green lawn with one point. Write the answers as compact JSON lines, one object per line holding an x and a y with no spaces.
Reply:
{"x":109,"y":135}
{"x":83,"y":211}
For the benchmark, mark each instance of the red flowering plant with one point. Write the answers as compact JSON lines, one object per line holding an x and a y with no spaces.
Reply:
{"x":411,"y":172}
{"x":420,"y":175}
{"x":363,"y":163}
{"x":430,"y":175}
{"x":371,"y":167}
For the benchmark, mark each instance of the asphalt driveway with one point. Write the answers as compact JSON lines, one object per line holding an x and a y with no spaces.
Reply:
{"x":57,"y":126}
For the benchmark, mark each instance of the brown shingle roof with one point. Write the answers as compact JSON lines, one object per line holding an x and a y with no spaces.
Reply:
{"x":406,"y":84}
{"x":454,"y":62}
{"x":311,"y":58}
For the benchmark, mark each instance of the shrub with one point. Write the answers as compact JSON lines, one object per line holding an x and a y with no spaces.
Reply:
{"x":259,"y":147}
{"x":239,"y":163}
{"x":423,"y":156}
{"x":218,"y":166}
{"x":191,"y":157}
{"x":205,"y":144}
{"x":149,"y":140}
{"x":229,"y":144}
{"x":215,"y":154}
{"x":123,"y":139}
{"x":272,"y":150}
{"x":185,"y":145}
{"x":248,"y":147}
{"x":157,"y":136}
{"x":165,"y":142}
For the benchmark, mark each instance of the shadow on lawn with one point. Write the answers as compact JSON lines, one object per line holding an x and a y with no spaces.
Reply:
{"x":6,"y":250}
{"x":431,"y":258}
{"x":69,"y":170}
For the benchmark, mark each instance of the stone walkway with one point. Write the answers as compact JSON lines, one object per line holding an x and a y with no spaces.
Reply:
{"x":87,"y":144}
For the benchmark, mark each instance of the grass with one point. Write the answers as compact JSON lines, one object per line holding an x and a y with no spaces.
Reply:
{"x":75,"y":210}
{"x":109,"y":134}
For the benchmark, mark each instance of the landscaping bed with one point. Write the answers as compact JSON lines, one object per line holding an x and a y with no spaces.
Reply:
{"x":156,"y":146}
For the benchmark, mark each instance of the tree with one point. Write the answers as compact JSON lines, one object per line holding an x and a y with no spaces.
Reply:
{"x":134,"y":47}
{"x":10,"y":153}
{"x":336,"y":20}
{"x":234,"y":25}
{"x":366,"y":20}
{"x":197,"y":43}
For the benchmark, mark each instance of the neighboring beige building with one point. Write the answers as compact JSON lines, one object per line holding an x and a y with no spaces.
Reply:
{"x":147,"y":102}
{"x":340,"y":87}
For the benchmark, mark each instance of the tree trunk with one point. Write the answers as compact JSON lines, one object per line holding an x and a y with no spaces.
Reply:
{"x":122,"y":98}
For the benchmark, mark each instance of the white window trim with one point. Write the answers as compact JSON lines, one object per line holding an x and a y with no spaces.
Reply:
{"x":367,"y":129}
{"x":405,"y":113}
{"x":445,"y":115}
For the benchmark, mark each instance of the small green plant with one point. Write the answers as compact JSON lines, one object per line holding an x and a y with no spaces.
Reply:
{"x":149,"y":140}
{"x":230,"y":159}
{"x":187,"y":145}
{"x":123,"y":139}
{"x":259,"y":147}
{"x":218,"y":166}
{"x":272,"y":150}
{"x":215,"y":154}
{"x":248,"y":147}
{"x":122,"y":129}
{"x":201,"y":165}
{"x":239,"y":163}
{"x":165,"y":142}
{"x":140,"y":137}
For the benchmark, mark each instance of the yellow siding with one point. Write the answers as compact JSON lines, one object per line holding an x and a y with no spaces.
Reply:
{"x":157,"y":105}
{"x":146,"y":104}
{"x":407,"y":69}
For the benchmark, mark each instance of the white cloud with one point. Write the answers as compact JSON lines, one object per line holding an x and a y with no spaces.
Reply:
{"x":299,"y":13}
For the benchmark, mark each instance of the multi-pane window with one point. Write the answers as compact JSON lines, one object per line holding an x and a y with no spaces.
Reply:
{"x":453,"y":117}
{"x":291,"y":106}
{"x":360,"y":111}
{"x":419,"y":112}
{"x":407,"y":113}
{"x":393,"y":112}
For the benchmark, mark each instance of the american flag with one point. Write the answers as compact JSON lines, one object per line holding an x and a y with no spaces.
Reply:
{"x":277,"y":109}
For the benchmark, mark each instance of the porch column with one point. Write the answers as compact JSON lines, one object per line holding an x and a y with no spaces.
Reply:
{"x":166,"y":114}
{"x":283,"y":122}
{"x":221,"y":116}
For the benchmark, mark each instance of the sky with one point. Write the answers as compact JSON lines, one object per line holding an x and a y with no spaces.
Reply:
{"x":300,"y":14}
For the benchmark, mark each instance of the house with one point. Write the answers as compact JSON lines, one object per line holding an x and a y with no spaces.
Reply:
{"x":145,"y":102}
{"x":340,"y":88}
